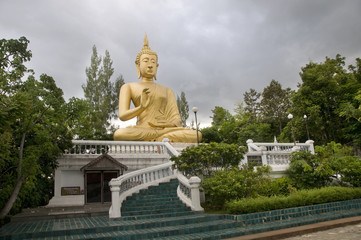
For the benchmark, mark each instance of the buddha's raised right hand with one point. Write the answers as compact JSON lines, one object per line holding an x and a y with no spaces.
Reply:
{"x":145,"y":99}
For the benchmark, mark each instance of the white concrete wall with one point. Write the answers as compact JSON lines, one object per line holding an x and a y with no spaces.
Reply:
{"x":71,"y":178}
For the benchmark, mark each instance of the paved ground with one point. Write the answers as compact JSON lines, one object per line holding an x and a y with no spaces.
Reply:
{"x":340,"y":229}
{"x":352,"y":232}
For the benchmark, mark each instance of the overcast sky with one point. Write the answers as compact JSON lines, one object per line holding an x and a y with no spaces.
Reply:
{"x":212,"y":50}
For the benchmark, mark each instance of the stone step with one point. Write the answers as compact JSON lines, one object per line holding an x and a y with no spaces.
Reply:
{"x":156,"y":192}
{"x":134,"y":203}
{"x":160,"y":215}
{"x":151,"y":197}
{"x":153,"y":206}
{"x":155,"y":211}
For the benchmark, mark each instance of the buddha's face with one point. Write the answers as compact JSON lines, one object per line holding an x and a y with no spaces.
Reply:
{"x":148,"y":65}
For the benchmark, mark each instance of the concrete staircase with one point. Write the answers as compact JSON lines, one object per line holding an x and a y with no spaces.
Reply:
{"x":164,"y":216}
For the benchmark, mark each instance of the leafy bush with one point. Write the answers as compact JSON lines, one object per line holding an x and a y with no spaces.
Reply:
{"x":306,"y":171}
{"x":309,"y":171}
{"x":279,"y":186}
{"x":204,"y":159}
{"x":299,"y":198}
{"x":351,"y":172}
{"x":339,"y":159}
{"x":236,"y":183}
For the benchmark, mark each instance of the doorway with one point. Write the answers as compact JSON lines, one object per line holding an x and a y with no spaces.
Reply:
{"x":97,"y":186}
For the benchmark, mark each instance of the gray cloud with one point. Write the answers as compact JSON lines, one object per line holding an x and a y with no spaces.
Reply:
{"x":212,"y":50}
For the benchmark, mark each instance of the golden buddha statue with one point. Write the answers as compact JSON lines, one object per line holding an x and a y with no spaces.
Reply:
{"x":154,"y":106}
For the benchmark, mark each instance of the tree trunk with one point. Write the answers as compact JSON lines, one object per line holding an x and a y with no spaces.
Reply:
{"x":12,"y":198}
{"x":19,"y":182}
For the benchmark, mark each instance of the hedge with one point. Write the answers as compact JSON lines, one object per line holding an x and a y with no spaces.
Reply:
{"x":297,"y":199}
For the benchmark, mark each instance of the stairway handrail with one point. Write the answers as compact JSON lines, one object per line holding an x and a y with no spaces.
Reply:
{"x":121,"y":179}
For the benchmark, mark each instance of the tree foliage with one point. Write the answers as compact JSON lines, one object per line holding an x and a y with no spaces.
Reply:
{"x":333,"y":161}
{"x":211,"y":134}
{"x":183,"y":108}
{"x":33,"y":127}
{"x":252,"y":101}
{"x":325,"y":90}
{"x":221,"y":115}
{"x":326,"y":107}
{"x":102,"y":95}
{"x":204,"y":159}
{"x":274,"y":105}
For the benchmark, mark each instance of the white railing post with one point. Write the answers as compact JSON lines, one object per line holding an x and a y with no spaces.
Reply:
{"x":114,"y":211}
{"x":195,"y":182}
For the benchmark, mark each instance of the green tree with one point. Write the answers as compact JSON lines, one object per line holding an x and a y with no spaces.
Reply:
{"x":252,"y":101}
{"x":33,"y":129}
{"x":183,"y":108}
{"x":228,"y":131}
{"x":102,"y":94}
{"x":81,"y":115}
{"x":221,"y":115}
{"x":211,"y":134}
{"x":352,"y":109}
{"x":257,"y":131}
{"x":274,"y":105}
{"x":240,"y":112}
{"x":325,"y":90}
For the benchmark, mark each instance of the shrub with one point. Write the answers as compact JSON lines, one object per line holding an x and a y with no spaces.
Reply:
{"x":279,"y":186}
{"x":351,"y":171}
{"x":236,"y":183}
{"x":309,"y":171}
{"x":305,"y":171}
{"x":204,"y":159}
{"x":299,"y":198}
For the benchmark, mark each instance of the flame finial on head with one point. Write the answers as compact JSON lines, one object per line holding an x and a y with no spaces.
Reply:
{"x":146,"y":43}
{"x":145,"y":50}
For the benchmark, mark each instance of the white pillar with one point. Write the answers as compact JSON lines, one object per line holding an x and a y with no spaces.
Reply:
{"x":115,"y":208}
{"x":195,"y":182}
{"x":57,"y":183}
{"x":311,"y":147}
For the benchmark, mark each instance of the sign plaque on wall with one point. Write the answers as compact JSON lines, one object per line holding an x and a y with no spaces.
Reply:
{"x":65,"y":191}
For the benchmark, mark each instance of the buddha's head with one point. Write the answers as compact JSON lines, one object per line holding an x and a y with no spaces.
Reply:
{"x":147,"y":61}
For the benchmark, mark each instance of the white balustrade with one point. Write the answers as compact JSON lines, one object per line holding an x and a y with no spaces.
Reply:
{"x":133,"y":182}
{"x":276,"y":155}
{"x":84,"y":147}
